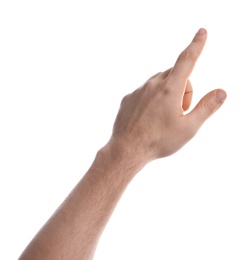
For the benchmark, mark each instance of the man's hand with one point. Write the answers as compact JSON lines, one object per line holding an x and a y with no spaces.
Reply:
{"x":150,"y":124}
{"x":151,"y":120}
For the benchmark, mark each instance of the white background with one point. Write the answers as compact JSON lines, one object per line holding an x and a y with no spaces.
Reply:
{"x":64,"y":68}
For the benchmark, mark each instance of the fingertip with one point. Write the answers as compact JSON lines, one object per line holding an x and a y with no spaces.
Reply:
{"x":201,"y":31}
{"x":221,"y":95}
{"x":200,"y":36}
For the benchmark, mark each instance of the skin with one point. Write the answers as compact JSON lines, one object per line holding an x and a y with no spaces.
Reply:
{"x":151,"y":123}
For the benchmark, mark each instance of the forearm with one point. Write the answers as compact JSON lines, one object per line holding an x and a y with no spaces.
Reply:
{"x":75,"y":228}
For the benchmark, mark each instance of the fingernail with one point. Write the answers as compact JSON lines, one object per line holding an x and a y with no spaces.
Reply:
{"x":201,"y":31}
{"x":221,"y":95}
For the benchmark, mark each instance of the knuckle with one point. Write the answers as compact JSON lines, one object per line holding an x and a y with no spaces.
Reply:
{"x":208,"y":108}
{"x":187,"y":54}
{"x":124,"y":99}
{"x":148,"y":85}
{"x":166,"y":91}
{"x":154,"y":76}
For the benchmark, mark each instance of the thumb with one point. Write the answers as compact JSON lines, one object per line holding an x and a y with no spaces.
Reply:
{"x":207,"y":106}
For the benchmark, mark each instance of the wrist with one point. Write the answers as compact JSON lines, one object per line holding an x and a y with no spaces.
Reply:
{"x":120,"y":157}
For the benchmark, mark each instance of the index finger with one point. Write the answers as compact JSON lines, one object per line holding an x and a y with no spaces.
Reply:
{"x":187,"y":59}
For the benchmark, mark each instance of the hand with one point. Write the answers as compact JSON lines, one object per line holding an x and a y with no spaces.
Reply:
{"x":151,"y":120}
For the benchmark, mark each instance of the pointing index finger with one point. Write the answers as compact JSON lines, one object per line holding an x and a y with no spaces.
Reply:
{"x":187,"y":59}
